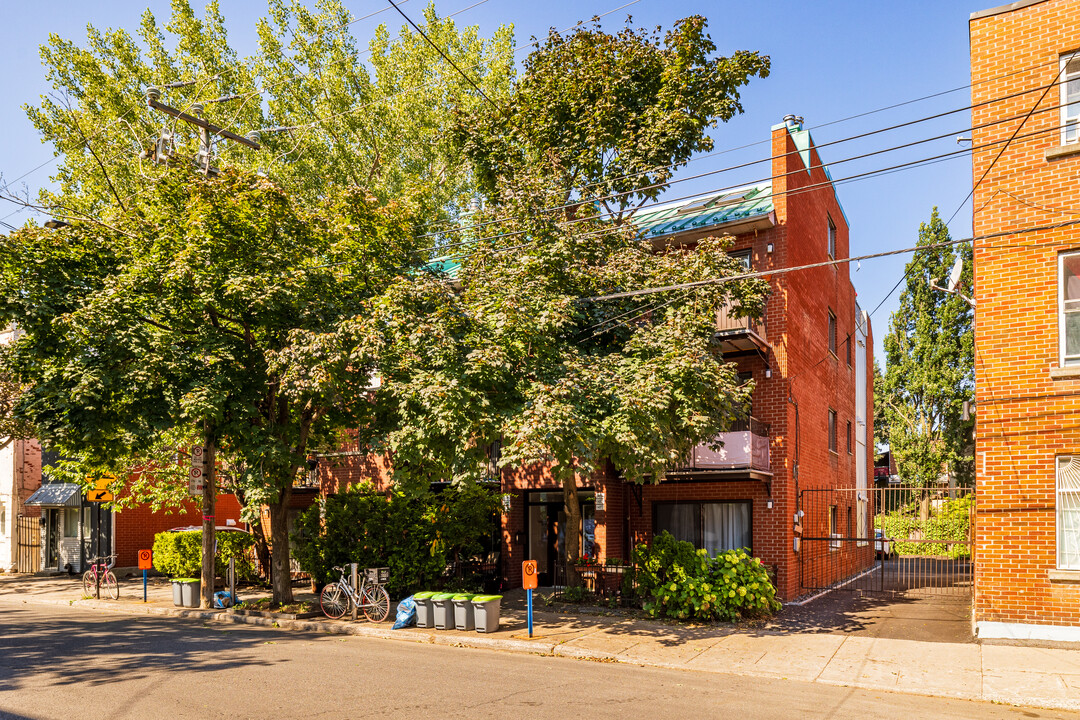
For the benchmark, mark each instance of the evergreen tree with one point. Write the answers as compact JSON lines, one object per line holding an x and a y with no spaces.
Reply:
{"x":930,"y":370}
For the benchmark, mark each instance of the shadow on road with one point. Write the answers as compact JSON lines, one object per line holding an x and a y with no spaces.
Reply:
{"x":89,"y":648}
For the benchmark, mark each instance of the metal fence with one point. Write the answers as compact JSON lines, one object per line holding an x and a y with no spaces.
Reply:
{"x":915,"y":541}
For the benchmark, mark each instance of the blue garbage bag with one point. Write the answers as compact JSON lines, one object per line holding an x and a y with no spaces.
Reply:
{"x":224,"y":599}
{"x":406,"y":613}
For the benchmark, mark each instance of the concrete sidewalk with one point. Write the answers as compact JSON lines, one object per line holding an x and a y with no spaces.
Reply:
{"x":1016,"y":675}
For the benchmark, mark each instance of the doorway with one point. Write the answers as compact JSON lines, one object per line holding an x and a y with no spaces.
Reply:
{"x":54,"y":531}
{"x":545,"y":529}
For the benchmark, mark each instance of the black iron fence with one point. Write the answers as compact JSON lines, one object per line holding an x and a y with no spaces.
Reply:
{"x":894,"y":539}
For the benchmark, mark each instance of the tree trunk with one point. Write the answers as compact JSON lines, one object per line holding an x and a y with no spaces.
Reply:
{"x":280,"y":576}
{"x":572,"y":531}
{"x":209,"y":543}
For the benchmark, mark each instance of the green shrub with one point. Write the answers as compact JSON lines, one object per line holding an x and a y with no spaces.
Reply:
{"x":414,"y":536}
{"x":951,"y":522}
{"x":682,"y":582}
{"x":179,"y":554}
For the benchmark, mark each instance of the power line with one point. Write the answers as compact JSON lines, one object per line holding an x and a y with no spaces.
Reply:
{"x":827,"y":263}
{"x":1002,"y":151}
{"x":444,"y":55}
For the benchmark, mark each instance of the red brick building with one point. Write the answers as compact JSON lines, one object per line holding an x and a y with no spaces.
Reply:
{"x":810,"y":358}
{"x":68,"y":524}
{"x":1027,"y":331}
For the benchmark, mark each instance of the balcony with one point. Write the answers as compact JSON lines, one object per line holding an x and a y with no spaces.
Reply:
{"x":739,"y":334}
{"x":745,"y":448}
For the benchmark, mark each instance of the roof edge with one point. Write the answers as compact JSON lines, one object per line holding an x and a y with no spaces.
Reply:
{"x":1018,"y":5}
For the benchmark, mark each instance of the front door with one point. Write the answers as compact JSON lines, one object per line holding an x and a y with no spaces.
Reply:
{"x":54,"y":520}
{"x":547,"y":531}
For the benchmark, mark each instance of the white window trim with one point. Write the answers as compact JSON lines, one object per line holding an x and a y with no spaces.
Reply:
{"x":1059,"y":534}
{"x":831,"y":235}
{"x":1067,"y":109}
{"x":1062,"y":362}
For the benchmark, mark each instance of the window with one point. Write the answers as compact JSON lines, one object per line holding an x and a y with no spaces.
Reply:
{"x":833,"y":528}
{"x":71,"y":522}
{"x":742,"y":256}
{"x":1069,"y":308}
{"x":832,"y":430}
{"x":847,"y":349}
{"x":832,"y":333}
{"x":1068,"y":513}
{"x":713,"y":526}
{"x":848,"y":437}
{"x":832,"y":237}
{"x":1070,"y":98}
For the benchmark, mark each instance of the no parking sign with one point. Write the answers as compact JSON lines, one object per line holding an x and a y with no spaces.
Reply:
{"x":146,"y":560}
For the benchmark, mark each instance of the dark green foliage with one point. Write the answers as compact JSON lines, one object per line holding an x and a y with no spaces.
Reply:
{"x":178,"y":554}
{"x":930,"y":366}
{"x":679,"y":581}
{"x":415,"y":535}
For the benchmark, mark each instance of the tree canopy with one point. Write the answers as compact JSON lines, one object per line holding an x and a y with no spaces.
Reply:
{"x":205,"y":310}
{"x":930,"y":370}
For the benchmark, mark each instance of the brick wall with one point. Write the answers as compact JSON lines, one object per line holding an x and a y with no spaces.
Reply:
{"x":1026,"y":417}
{"x":796,"y":326}
{"x":134,"y":528}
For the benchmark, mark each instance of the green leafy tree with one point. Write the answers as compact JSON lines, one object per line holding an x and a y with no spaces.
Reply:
{"x":929,"y":372}
{"x":331,"y":116}
{"x":206,"y":311}
{"x":336,"y":121}
{"x":511,"y":348}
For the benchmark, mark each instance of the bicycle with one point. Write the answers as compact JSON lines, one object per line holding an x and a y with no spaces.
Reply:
{"x":338,"y":597}
{"x":100,"y":576}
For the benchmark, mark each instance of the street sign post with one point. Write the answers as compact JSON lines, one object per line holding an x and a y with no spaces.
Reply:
{"x":146,"y":561}
{"x":197,"y":473}
{"x":530,"y":581}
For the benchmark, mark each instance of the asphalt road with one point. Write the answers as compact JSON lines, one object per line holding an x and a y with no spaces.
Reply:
{"x":58,"y":662}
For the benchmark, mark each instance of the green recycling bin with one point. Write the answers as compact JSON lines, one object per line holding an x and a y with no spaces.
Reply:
{"x":463,"y":611}
{"x":486,"y":612}
{"x":425,"y":617}
{"x":444,"y":610}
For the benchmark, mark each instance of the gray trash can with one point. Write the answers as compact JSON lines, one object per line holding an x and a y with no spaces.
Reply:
{"x":425,"y":610}
{"x":444,"y":610}
{"x":486,"y":608}
{"x":463,"y":611}
{"x":189,"y":592}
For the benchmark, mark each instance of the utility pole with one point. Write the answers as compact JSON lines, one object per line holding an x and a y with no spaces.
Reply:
{"x":209,"y":475}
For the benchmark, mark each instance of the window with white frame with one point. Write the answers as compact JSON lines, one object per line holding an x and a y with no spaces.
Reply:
{"x":1069,"y":308}
{"x":1068,"y":512}
{"x":1070,"y":97}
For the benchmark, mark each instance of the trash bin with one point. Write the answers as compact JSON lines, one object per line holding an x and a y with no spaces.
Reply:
{"x":187,"y":591}
{"x":444,"y":610}
{"x":425,"y":611}
{"x":486,"y":608}
{"x":463,"y":611}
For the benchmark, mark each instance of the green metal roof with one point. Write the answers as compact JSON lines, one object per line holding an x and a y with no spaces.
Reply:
{"x":699,"y":213}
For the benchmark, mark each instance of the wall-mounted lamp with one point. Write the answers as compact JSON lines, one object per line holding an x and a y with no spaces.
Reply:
{"x":768,"y":248}
{"x":517,"y":538}
{"x":768,"y":372}
{"x":768,"y":504}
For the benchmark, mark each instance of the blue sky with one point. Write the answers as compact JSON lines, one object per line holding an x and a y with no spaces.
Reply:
{"x":830,"y":61}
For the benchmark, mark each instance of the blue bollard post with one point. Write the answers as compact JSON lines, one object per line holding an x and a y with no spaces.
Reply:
{"x":529,"y":593}
{"x":144,"y":585}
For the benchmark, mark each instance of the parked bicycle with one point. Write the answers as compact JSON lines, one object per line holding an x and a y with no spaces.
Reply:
{"x":99,"y":578}
{"x":337,"y":598}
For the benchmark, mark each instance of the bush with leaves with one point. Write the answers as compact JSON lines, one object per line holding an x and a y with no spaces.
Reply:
{"x":179,"y":554}
{"x":679,"y":581}
{"x":951,"y":522}
{"x":415,"y":536}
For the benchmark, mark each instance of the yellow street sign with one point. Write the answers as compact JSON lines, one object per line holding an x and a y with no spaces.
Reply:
{"x":99,"y":496}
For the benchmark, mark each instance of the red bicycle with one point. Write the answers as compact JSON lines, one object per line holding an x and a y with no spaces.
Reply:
{"x":100,"y":577}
